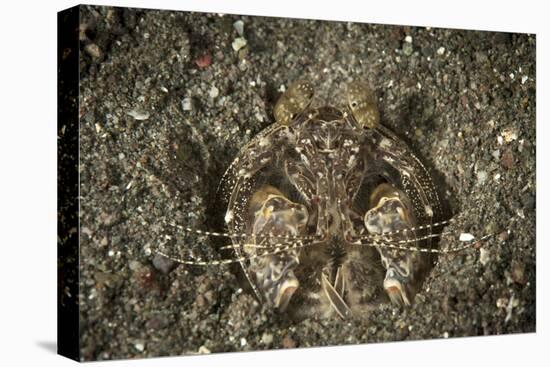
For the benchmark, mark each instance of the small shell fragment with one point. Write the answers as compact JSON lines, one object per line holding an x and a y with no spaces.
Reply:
{"x":509,"y":135}
{"x":187,"y":104}
{"x":484,"y":256}
{"x":214,"y":92}
{"x":524,"y":79}
{"x":466,"y":237}
{"x":139,"y":114}
{"x":238,"y":43}
{"x":204,"y":350}
{"x":140,"y":347}
{"x":239,"y":27}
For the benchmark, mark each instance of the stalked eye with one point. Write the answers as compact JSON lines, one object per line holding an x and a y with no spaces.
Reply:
{"x":362,"y":103}
{"x":293,"y":102}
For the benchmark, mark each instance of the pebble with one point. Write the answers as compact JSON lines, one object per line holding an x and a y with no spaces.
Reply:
{"x":288,"y":342}
{"x":510,"y":307}
{"x":164,"y":264}
{"x":214,"y":92}
{"x":407,"y":49}
{"x":94,"y":51}
{"x":481,"y":57}
{"x":158,"y":322}
{"x":238,"y":43}
{"x":239,"y":27}
{"x":87,"y":231}
{"x":507,"y":159}
{"x":187,"y":104}
{"x":243,"y":52}
{"x":529,"y":201}
{"x":518,"y":272}
{"x":481,"y":177}
{"x":93,"y":293}
{"x":484,"y":256}
{"x":441,"y":51}
{"x":134,"y":265}
{"x":139,"y":346}
{"x":465,"y":237}
{"x":139,"y":114}
{"x":146,"y":281}
{"x":503,"y":236}
{"x":267,"y":338}
{"x":509,"y":135}
{"x":520,"y":146}
{"x":204,"y":350}
{"x":200,"y":301}
{"x":524,"y":79}
{"x":206,"y":298}
{"x":105,"y":218}
{"x":209,"y":298}
{"x":203,"y":61}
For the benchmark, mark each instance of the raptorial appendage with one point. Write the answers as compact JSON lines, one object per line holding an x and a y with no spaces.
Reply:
{"x":274,"y":217}
{"x":391,"y":212}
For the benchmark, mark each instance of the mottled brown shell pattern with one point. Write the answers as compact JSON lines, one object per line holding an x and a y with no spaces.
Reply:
{"x":308,"y":180}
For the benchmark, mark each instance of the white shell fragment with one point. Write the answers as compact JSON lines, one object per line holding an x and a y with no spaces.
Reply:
{"x":509,"y":135}
{"x":139,"y":346}
{"x":238,"y":43}
{"x":139,"y":114}
{"x":187,"y":104}
{"x":204,"y":350}
{"x":239,"y":27}
{"x":465,"y":237}
{"x":484,"y":256}
{"x":214,"y":92}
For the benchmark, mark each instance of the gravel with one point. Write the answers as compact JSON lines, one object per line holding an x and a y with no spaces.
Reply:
{"x":149,"y":95}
